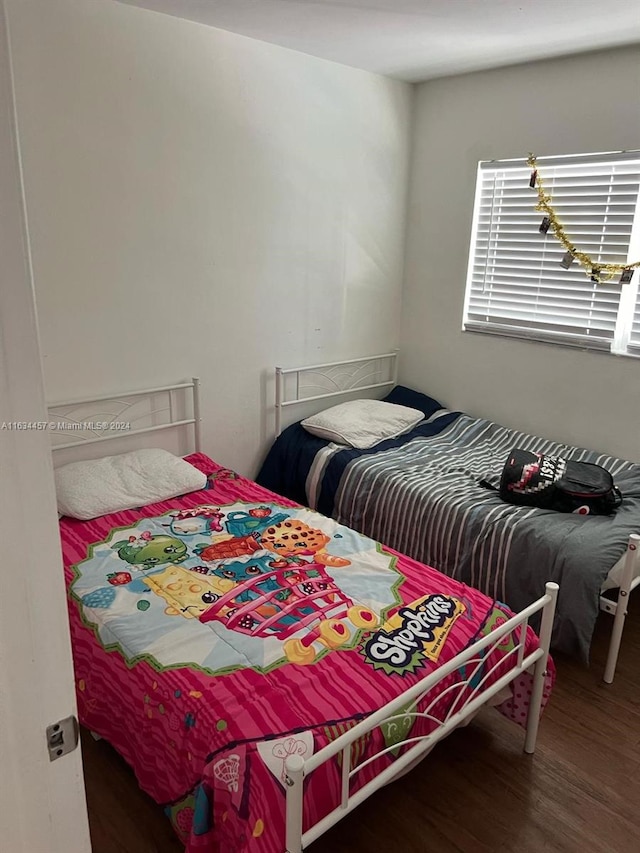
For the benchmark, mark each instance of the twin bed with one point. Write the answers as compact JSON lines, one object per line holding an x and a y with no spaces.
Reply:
{"x":262,"y":667}
{"x":424,"y":493}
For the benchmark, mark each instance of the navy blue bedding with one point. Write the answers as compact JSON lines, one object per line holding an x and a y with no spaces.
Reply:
{"x":288,"y":462}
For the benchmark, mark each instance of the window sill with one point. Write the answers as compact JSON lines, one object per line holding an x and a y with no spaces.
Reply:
{"x":550,"y":341}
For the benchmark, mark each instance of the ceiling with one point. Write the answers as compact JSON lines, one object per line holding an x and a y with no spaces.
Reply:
{"x":420,"y":39}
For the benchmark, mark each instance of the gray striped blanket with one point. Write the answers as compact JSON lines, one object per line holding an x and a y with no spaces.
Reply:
{"x":423,"y":498}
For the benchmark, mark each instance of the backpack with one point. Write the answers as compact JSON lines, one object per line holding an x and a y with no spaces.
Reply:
{"x":552,"y":482}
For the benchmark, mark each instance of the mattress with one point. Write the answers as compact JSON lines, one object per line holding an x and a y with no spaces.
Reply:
{"x":218,"y":633}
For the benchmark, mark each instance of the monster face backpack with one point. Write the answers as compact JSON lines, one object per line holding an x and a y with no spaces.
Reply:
{"x":551,"y":482}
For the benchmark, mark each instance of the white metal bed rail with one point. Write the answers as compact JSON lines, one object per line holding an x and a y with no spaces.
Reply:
{"x":89,"y":424}
{"x":619,"y":609}
{"x":297,"y":768}
{"x":332,"y":379}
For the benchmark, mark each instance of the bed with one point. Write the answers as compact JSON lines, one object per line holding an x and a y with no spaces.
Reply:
{"x":263,"y":668}
{"x":425,"y":494}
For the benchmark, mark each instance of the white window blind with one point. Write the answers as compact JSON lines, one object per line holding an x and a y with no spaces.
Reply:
{"x":634,"y":341}
{"x":516,"y":285}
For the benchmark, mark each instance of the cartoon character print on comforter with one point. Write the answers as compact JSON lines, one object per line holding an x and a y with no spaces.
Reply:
{"x":260,"y":590}
{"x":232,"y":635}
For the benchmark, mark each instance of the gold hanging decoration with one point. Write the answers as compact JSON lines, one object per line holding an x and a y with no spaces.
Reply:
{"x":596,"y":271}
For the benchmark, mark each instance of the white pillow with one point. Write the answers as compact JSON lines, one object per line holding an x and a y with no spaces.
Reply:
{"x":362,"y":423}
{"x":88,"y":489}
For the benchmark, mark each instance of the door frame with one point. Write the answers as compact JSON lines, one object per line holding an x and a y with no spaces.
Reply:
{"x":42,"y":802}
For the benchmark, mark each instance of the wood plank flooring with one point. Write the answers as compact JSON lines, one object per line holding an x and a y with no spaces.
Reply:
{"x":476,"y":793}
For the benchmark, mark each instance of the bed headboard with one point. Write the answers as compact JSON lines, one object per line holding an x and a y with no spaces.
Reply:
{"x":92,"y":420}
{"x":296,"y":385}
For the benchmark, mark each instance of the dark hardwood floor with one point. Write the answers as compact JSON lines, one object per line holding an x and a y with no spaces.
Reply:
{"x":476,"y":793}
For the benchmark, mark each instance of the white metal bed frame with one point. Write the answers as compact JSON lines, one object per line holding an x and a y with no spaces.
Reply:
{"x":329,"y":377}
{"x":333,"y":379}
{"x":296,"y":768}
{"x":95,"y":419}
{"x":619,"y":609}
{"x":142,"y":407}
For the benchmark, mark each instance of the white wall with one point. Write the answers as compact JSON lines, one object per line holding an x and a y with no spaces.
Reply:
{"x":578,"y":104}
{"x":203,"y":204}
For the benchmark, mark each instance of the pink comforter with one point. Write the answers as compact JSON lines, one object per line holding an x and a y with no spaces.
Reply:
{"x":217,"y":633}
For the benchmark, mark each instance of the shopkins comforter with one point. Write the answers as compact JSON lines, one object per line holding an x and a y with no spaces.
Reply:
{"x":217,"y":633}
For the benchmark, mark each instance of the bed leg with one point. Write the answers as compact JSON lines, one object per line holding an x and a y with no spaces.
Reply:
{"x":540,"y":670}
{"x":294,"y":769}
{"x":621,"y":608}
{"x":616,"y":638}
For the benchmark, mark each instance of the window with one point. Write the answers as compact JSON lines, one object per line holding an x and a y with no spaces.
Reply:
{"x":516,"y":285}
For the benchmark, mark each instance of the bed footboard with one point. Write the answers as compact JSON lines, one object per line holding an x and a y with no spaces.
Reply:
{"x":618,"y":609}
{"x":464,"y":704}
